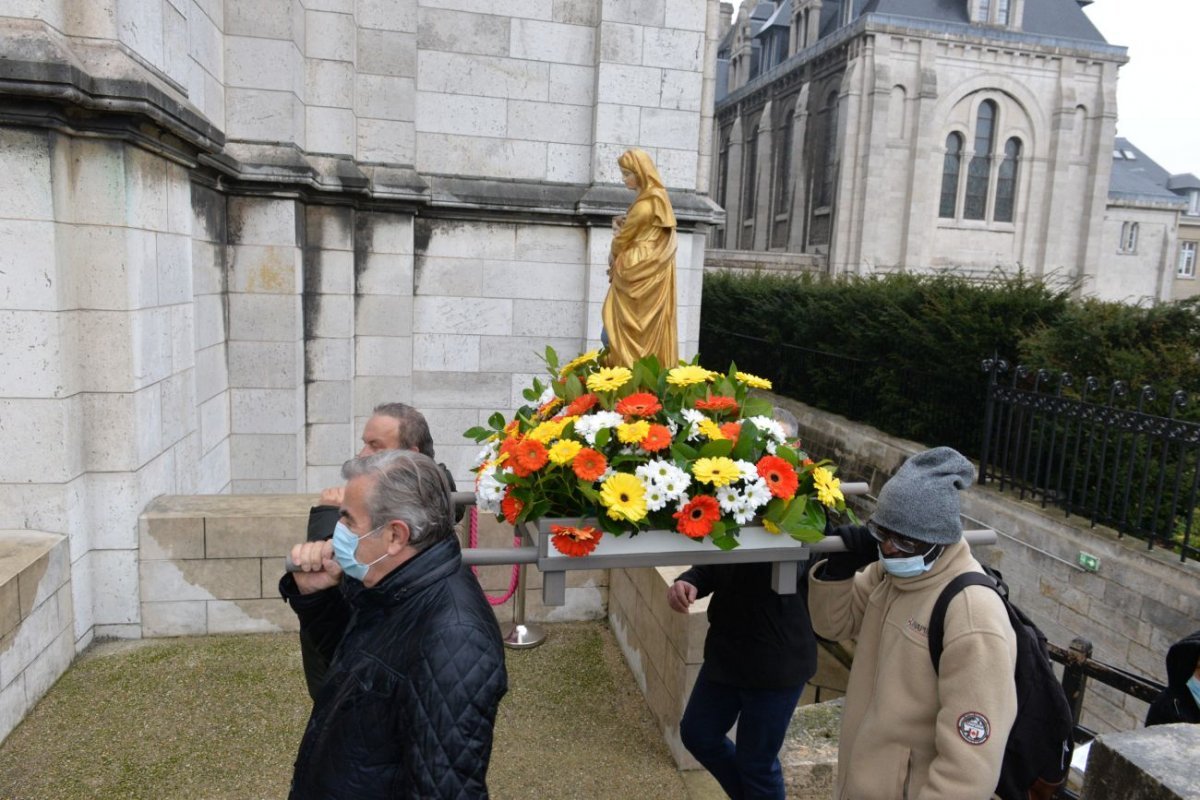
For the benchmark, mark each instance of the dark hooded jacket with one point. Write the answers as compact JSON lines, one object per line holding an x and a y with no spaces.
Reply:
{"x":757,"y":638}
{"x":1176,"y":703}
{"x":416,"y":672}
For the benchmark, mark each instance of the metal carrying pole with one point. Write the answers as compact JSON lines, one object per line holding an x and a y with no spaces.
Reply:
{"x":520,"y":634}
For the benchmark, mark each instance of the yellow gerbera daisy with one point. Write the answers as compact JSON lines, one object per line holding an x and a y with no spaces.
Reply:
{"x":548,"y":430}
{"x":608,"y":379}
{"x":624,"y":497}
{"x":564,"y":451}
{"x":578,"y":361}
{"x":710,"y":429}
{"x":827,"y":486}
{"x":717,"y":471}
{"x":753,"y":381}
{"x":689,"y":375}
{"x":633,"y":432}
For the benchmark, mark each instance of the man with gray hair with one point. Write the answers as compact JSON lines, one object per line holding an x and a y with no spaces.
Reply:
{"x":416,"y":662}
{"x":392,"y":426}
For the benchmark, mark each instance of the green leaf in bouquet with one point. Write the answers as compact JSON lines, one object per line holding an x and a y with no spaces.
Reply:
{"x":724,"y":541}
{"x":775,"y":510}
{"x":504,"y":476}
{"x":850,"y":515}
{"x":787,"y":454}
{"x":536,"y":509}
{"x":602,"y":437}
{"x":684,"y":452}
{"x":589,"y":491}
{"x":496,"y":421}
{"x":574,"y":387}
{"x":551,"y":359}
{"x":716,"y":448}
{"x":747,"y":442}
{"x":533,"y":392}
{"x":757,"y":407}
{"x":811,"y":526}
{"x":610,"y":525}
{"x":478,"y":433}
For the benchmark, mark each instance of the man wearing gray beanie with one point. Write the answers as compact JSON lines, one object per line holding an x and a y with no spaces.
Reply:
{"x":908,"y":731}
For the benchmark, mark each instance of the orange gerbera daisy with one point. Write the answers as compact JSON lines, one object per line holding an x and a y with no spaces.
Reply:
{"x":719,"y":403}
{"x":641,"y":404}
{"x":531,"y":455}
{"x":731,"y":430}
{"x":511,"y":506}
{"x":697,"y":517}
{"x":589,"y":465}
{"x":580,"y":405}
{"x":780,"y":477}
{"x":658,"y":438}
{"x":546,"y":409}
{"x":575,"y":542}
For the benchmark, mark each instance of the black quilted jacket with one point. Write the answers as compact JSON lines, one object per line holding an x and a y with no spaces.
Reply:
{"x":416,"y":675}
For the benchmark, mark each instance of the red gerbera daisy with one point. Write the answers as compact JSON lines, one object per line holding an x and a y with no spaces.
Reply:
{"x":575,"y":541}
{"x":589,"y":464}
{"x":531,"y":455}
{"x":731,"y":430}
{"x":656,"y":439}
{"x":780,"y":477}
{"x":719,"y":403}
{"x":580,"y":405}
{"x":642,"y":404}
{"x":511,"y":506}
{"x":697,"y":517}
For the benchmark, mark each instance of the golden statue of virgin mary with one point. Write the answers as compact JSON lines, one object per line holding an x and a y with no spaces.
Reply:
{"x":639,"y":310}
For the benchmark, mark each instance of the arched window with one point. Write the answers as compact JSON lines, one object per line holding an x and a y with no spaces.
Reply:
{"x":1129,"y":238}
{"x":1006,"y":181}
{"x":1081,"y":130}
{"x":783,"y":161}
{"x":723,"y":168}
{"x":897,"y":113}
{"x":749,"y":173}
{"x":829,"y":162}
{"x":951,"y":166}
{"x":980,"y":168}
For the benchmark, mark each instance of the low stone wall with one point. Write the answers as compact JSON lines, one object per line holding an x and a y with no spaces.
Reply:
{"x":762,"y":261}
{"x":37,"y":616}
{"x":1158,"y":763}
{"x":211,"y":564}
{"x":1131,"y":609}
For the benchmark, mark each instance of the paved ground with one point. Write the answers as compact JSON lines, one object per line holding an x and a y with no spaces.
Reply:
{"x":220,"y":717}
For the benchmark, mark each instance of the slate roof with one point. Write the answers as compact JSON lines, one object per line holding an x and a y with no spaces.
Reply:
{"x":1183,"y":182}
{"x":1062,"y":19}
{"x":1138,"y":178}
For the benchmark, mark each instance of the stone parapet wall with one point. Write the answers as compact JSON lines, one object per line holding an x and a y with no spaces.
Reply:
{"x":1132,"y":609}
{"x":36,"y":620}
{"x":211,"y":564}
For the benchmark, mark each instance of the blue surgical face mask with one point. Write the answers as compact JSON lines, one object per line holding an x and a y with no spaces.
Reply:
{"x":910,"y":566}
{"x":1193,"y":683}
{"x":345,"y":548}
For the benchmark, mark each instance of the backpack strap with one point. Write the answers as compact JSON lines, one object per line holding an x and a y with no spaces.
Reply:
{"x":937,"y":620}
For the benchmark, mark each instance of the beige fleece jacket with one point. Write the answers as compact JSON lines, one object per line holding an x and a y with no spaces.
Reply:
{"x":907,"y":732}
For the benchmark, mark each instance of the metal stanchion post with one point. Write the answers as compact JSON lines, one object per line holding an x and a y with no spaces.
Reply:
{"x":518,"y":634}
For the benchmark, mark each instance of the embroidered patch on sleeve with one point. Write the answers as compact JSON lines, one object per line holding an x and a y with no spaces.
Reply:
{"x":974,"y":727}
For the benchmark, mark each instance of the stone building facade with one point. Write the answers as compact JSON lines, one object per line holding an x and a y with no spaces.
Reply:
{"x":231,"y":227}
{"x":913,"y":135}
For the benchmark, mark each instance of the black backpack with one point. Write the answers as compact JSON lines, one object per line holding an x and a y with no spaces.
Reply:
{"x":1038,"y":752}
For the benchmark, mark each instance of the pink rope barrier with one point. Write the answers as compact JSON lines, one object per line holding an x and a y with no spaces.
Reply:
{"x":473,"y":541}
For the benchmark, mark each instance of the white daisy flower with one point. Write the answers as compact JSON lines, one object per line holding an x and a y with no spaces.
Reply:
{"x":729,"y":498}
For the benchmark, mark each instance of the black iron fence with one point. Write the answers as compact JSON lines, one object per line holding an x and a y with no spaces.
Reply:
{"x":1097,"y":454}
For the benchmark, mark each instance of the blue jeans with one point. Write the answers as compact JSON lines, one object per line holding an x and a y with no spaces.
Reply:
{"x":749,"y":769}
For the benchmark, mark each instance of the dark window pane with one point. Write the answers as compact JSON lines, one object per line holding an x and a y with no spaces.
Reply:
{"x":951,"y":165}
{"x":975,"y":206}
{"x":984,"y":125}
{"x":749,"y":176}
{"x":1006,"y":181}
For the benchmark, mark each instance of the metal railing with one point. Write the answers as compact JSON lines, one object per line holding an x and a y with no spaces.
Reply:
{"x":1092,"y":455}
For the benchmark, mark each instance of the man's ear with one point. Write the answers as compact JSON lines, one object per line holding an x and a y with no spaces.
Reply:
{"x":398,"y":534}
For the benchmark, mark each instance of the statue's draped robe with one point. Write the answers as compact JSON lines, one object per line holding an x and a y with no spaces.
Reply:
{"x":639,"y":310}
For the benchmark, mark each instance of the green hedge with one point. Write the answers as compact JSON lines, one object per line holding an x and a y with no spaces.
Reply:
{"x":904,"y":352}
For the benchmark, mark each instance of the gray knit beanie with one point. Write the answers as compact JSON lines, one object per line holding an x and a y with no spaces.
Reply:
{"x":921,"y":500}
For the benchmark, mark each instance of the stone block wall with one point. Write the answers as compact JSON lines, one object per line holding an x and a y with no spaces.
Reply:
{"x":1132,"y":609}
{"x":211,"y":564}
{"x":37,"y":640}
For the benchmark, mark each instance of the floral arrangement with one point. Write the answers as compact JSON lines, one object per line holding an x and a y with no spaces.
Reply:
{"x":681,"y":448}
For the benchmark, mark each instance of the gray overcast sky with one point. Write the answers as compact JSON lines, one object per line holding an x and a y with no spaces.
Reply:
{"x":1158,"y":94}
{"x":1158,"y":97}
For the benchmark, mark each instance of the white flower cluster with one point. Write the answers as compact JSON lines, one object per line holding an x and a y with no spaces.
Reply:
{"x":488,"y":491}
{"x":694,"y":417}
{"x":773,"y":430}
{"x":744,"y":497}
{"x":664,"y":482}
{"x":588,"y":426}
